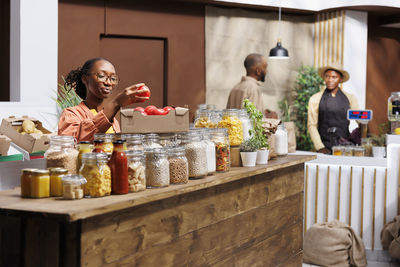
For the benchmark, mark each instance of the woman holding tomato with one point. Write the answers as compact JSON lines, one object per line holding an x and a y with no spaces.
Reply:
{"x":94,"y":82}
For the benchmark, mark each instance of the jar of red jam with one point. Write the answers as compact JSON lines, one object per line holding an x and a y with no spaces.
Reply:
{"x":119,"y":169}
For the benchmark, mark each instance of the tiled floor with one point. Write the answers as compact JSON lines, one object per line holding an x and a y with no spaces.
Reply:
{"x":370,"y":264}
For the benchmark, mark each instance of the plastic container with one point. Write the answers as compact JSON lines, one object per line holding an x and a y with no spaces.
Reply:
{"x":246,"y":123}
{"x":196,"y":154}
{"x":62,"y":153}
{"x":222,"y":149}
{"x":281,"y":141}
{"x":231,"y":121}
{"x":157,"y":168}
{"x":178,"y":166}
{"x":40,"y":184}
{"x":73,"y":186}
{"x":97,"y":174}
{"x":26,"y":177}
{"x":394,"y":107}
{"x":136,"y":170}
{"x":56,"y":188}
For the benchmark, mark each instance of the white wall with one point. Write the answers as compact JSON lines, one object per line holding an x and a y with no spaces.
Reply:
{"x":33,"y":60}
{"x":355,"y":54}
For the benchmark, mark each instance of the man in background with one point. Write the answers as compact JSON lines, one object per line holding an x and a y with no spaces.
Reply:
{"x":249,"y":86}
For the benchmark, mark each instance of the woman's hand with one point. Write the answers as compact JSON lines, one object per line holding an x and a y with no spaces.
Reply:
{"x":133,"y":94}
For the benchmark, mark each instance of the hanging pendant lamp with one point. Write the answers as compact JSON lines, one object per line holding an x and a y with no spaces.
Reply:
{"x":279,"y":52}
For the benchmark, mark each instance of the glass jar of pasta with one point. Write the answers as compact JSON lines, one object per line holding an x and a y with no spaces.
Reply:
{"x":230,"y":120}
{"x":204,"y":120}
{"x":62,"y":153}
{"x":222,"y":149}
{"x":97,"y":174}
{"x":136,"y":170}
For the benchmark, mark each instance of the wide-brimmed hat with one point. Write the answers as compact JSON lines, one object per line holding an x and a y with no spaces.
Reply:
{"x":335,"y":67}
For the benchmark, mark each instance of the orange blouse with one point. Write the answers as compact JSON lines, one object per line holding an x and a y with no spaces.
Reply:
{"x":81,"y":123}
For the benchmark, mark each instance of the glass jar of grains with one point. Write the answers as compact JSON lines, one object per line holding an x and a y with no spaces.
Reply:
{"x":136,"y":170}
{"x":97,"y":174}
{"x":168,"y":140}
{"x":222,"y":149}
{"x":151,"y":141}
{"x":178,"y":166}
{"x":56,"y":188}
{"x":157,"y":168}
{"x":231,"y":121}
{"x":62,"y":153}
{"x":196,"y":154}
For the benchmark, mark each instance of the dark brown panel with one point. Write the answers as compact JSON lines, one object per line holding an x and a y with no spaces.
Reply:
{"x":383,"y":57}
{"x":5,"y":50}
{"x":142,"y":61}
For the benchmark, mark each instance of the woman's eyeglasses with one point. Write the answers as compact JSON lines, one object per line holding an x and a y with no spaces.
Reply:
{"x":101,"y":77}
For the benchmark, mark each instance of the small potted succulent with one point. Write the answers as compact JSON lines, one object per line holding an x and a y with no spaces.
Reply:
{"x":248,"y":152}
{"x":258,"y":133}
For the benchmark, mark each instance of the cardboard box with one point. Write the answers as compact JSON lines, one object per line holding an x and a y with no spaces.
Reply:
{"x":4,"y":145}
{"x":135,"y":122}
{"x":30,"y":142}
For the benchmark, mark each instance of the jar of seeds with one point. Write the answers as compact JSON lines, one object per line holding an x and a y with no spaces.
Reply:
{"x":157,"y":168}
{"x":178,"y":166}
{"x":196,"y":154}
{"x":151,"y":141}
{"x":62,"y":153}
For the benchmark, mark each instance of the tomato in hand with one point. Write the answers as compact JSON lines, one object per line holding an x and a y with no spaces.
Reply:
{"x":144,"y":94}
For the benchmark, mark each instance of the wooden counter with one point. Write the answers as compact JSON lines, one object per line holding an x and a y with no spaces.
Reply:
{"x":245,"y":217}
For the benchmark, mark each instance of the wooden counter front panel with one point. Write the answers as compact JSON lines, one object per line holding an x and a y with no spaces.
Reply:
{"x":255,"y":221}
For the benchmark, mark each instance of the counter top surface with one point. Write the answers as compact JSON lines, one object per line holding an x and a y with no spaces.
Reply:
{"x":72,"y":210}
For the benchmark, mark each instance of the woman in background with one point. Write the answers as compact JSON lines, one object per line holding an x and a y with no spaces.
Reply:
{"x":94,"y":82}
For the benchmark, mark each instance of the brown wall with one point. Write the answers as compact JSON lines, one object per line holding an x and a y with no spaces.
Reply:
{"x":5,"y":50}
{"x":383,"y":77}
{"x":158,"y":42}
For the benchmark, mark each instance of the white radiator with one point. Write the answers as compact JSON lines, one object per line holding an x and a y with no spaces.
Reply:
{"x":358,"y":191}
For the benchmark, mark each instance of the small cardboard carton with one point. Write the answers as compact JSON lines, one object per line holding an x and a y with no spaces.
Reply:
{"x":135,"y":122}
{"x":30,"y":142}
{"x":4,"y":145}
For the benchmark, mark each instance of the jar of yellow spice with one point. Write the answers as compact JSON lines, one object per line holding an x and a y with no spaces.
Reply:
{"x":230,"y":120}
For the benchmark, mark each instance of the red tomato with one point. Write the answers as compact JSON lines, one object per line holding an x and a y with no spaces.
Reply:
{"x":141,"y":110}
{"x":149,"y":108}
{"x":168,"y":108}
{"x":144,"y":94}
{"x":159,"y":111}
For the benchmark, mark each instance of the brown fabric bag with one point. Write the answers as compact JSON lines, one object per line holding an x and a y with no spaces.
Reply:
{"x":291,"y":132}
{"x":333,"y":244}
{"x":390,"y":237}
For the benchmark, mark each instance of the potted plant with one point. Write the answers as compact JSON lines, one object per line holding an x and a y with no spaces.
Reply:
{"x":379,"y":141}
{"x":248,"y":152}
{"x":258,"y":135}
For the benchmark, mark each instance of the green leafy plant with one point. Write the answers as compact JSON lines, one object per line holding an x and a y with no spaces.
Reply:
{"x":380,"y":140}
{"x":258,"y":135}
{"x":285,"y":109}
{"x":249,"y":145}
{"x":66,"y":97}
{"x":308,"y":82}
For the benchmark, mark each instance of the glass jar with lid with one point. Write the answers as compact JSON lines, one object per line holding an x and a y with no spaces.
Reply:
{"x":204,"y":119}
{"x":367,"y":145}
{"x":358,"y":151}
{"x":178,"y":166}
{"x":26,"y":178}
{"x":348,"y":151}
{"x":136,"y":170}
{"x":222,"y":149}
{"x":73,"y":186}
{"x":394,"y":107}
{"x":157,"y":168}
{"x":98,"y":146}
{"x":151,"y":141}
{"x":97,"y":174}
{"x":337,"y":151}
{"x":281,"y":141}
{"x":107,"y":141}
{"x":56,"y":187}
{"x":195,"y":150}
{"x":168,"y":139}
{"x":62,"y":153}
{"x":210,"y":151}
{"x":119,"y":169}
{"x":246,"y":124}
{"x":230,"y":120}
{"x":133,"y":142}
{"x":83,"y":147}
{"x":40,"y":184}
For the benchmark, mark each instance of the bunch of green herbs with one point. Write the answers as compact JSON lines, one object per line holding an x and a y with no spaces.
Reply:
{"x":258,"y":136}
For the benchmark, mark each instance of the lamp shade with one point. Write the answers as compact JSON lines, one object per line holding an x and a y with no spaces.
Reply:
{"x":278,"y":51}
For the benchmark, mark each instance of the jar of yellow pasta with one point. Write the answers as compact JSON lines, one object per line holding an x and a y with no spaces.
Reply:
{"x":230,"y":120}
{"x":97,"y":174}
{"x":204,"y":120}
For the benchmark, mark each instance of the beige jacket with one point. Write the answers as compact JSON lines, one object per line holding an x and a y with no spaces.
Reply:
{"x":312,"y":122}
{"x":248,"y":88}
